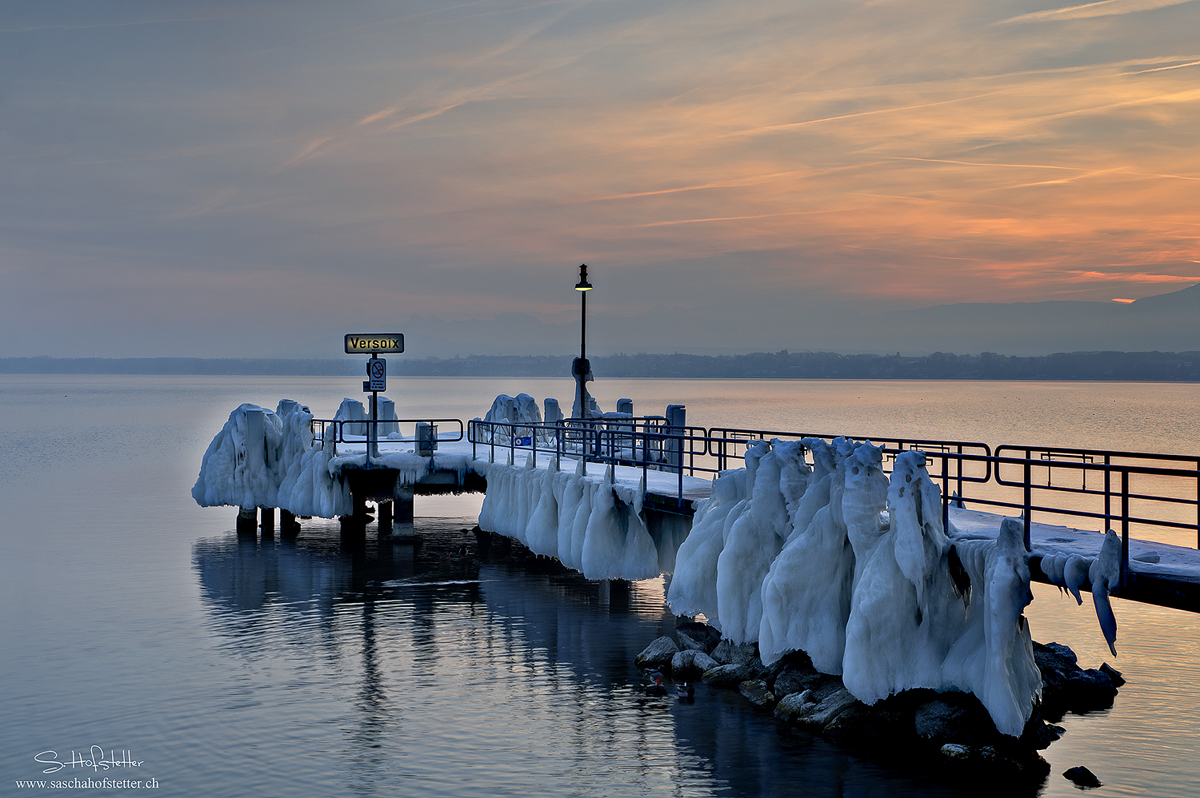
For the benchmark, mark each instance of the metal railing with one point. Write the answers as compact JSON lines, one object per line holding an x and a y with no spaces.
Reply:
{"x":376,"y":432}
{"x":646,"y":442}
{"x":1125,"y":489}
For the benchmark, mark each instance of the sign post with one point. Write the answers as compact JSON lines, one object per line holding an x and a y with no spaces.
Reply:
{"x":374,"y":344}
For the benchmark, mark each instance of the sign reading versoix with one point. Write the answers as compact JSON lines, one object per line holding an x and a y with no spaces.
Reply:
{"x":366,"y":343}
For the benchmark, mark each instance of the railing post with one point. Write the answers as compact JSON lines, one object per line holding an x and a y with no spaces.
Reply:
{"x":645,"y":455}
{"x":959,"y":472}
{"x":1028,"y":497}
{"x":1107,"y":493}
{"x":1124,"y":524}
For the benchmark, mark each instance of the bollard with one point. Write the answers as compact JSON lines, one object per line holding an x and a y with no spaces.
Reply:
{"x":676,"y":421}
{"x":426,"y":439}
{"x":385,"y":411}
{"x":256,"y":441}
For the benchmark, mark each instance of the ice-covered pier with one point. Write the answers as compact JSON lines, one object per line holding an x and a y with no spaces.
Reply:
{"x":659,"y":472}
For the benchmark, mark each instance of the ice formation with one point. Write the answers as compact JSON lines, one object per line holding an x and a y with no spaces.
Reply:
{"x":855,"y":570}
{"x":800,"y":612}
{"x":693,"y":588}
{"x":1102,"y":573}
{"x":267,"y":459}
{"x":262,"y":458}
{"x":593,"y":525}
{"x":992,"y":656}
{"x":755,"y":538}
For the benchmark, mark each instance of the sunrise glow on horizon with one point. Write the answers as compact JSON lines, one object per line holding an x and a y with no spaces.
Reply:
{"x":216,"y":158}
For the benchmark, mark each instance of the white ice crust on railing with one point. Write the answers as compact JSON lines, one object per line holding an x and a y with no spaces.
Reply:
{"x":587,"y":522}
{"x":856,"y":571}
{"x":290,"y":470}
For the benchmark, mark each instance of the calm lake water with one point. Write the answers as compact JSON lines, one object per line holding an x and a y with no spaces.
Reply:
{"x":137,"y":622}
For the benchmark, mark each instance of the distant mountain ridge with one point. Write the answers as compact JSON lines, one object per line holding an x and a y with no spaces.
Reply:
{"x":1107,"y":366}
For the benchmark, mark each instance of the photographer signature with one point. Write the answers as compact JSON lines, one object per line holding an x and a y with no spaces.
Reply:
{"x":94,"y":759}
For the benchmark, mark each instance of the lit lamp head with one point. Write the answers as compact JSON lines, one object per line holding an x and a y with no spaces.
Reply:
{"x":583,"y":284}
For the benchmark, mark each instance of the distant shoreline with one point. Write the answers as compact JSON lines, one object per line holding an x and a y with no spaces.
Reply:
{"x":1076,"y":366}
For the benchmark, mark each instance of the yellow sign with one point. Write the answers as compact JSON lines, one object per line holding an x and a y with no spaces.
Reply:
{"x":374,"y":343}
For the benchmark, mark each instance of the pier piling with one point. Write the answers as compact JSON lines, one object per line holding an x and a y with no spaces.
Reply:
{"x":385,"y":519}
{"x":247,"y":521}
{"x":267,"y":522}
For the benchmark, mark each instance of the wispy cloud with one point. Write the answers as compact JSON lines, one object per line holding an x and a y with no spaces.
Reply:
{"x":1101,"y":9}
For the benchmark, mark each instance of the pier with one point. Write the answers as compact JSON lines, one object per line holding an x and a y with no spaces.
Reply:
{"x":664,"y":468}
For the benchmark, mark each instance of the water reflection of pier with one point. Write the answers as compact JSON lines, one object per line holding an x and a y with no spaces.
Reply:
{"x":507,"y":656}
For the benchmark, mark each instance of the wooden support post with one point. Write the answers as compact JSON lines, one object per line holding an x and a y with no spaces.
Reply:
{"x":289,"y":527}
{"x":267,"y":522}
{"x":402,"y":510}
{"x":354,"y":526}
{"x":385,"y":519}
{"x":247,"y":520}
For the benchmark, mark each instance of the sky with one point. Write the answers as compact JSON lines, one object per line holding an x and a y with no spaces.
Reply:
{"x":254,"y":179}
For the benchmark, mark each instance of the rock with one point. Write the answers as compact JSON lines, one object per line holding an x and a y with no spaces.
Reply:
{"x":796,"y":676}
{"x":697,"y":636}
{"x":792,"y":704}
{"x":658,"y":654}
{"x":727,"y":653}
{"x":862,"y":723}
{"x":938,"y":720}
{"x":956,"y":751}
{"x":755,"y":690}
{"x":1068,"y":688}
{"x":1149,"y":557}
{"x":1082,"y":777}
{"x":691,"y":664}
{"x":1113,"y":674}
{"x":954,"y":718}
{"x":824,"y":709}
{"x":728,"y":675}
{"x":1058,"y":650}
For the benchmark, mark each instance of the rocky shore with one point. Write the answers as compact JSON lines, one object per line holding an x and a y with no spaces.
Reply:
{"x":950,"y":732}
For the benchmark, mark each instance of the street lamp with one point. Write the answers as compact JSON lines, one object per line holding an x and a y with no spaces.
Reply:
{"x":581,"y":368}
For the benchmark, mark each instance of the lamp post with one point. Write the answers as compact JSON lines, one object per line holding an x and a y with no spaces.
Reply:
{"x":582,"y":367}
